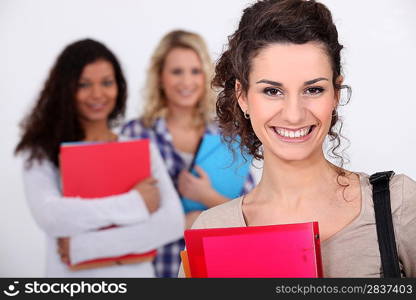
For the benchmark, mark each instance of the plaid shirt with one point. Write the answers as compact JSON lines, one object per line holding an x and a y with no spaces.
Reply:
{"x":168,"y":260}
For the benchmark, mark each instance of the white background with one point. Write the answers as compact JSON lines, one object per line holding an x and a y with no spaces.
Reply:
{"x":379,"y":64}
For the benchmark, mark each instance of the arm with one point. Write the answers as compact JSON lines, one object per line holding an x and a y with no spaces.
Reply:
{"x":407,"y":227}
{"x":63,"y":216}
{"x":164,"y":226}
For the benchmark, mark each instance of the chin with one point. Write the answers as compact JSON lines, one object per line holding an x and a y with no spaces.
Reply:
{"x":292,"y":155}
{"x":293,"y":158}
{"x":96,"y":117}
{"x":187,"y":104}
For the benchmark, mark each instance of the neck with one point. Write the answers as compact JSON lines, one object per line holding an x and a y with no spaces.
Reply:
{"x":290,"y":183}
{"x":183,"y":117}
{"x":98,"y":132}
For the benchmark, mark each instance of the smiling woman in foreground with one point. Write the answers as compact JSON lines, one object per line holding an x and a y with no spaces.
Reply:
{"x":280,"y":81}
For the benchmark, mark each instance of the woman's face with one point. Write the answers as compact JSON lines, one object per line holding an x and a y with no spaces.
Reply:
{"x":182,"y":78}
{"x":97,"y":92}
{"x":290,"y":99}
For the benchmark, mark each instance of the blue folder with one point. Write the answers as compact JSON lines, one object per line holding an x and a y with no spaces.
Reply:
{"x":226,"y":171}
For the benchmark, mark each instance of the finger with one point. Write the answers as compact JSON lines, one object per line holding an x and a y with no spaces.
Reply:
{"x":149,"y":181}
{"x":188,"y":176}
{"x":184,"y":178}
{"x":201,"y":172}
{"x":184,"y":189}
{"x":65,"y":259}
{"x":195,"y":179}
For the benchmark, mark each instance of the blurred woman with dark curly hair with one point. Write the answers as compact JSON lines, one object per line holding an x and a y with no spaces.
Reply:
{"x":280,"y":82}
{"x":83,"y":97}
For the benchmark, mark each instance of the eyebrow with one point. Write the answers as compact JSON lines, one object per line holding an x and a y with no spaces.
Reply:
{"x":275,"y":83}
{"x":105,"y":77}
{"x":315,"y":80}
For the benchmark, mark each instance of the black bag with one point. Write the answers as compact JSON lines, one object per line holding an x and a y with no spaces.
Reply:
{"x":384,"y":222}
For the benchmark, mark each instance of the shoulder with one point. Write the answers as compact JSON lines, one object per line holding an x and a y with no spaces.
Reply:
{"x":35,"y":169}
{"x":403,"y":190}
{"x":131,"y":123}
{"x":29,"y":164}
{"x":403,"y":184}
{"x":224,"y":215}
{"x":134,"y":128}
{"x":154,"y":151}
{"x":212,"y":128}
{"x":397,"y":182}
{"x":402,"y":194}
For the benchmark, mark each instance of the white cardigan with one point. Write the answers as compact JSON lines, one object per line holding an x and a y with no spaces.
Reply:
{"x":78,"y":219}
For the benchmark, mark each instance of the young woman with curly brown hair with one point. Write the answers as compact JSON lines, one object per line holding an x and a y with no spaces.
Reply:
{"x":280,"y":81}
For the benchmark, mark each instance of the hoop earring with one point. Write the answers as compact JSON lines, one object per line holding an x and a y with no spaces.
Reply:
{"x":349,"y":93}
{"x":246,"y":115}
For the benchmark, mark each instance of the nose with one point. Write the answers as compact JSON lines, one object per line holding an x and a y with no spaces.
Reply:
{"x":96,"y":91}
{"x":188,"y":79}
{"x":293,"y":110}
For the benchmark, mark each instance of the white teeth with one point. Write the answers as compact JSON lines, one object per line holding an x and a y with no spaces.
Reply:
{"x":292,"y":134}
{"x":185,"y":93}
{"x":96,"y":106}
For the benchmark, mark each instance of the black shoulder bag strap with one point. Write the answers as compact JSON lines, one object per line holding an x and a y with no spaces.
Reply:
{"x":384,"y":222}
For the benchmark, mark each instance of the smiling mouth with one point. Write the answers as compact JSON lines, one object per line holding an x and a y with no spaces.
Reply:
{"x":96,"y":106}
{"x":186,"y":93}
{"x":290,"y":134}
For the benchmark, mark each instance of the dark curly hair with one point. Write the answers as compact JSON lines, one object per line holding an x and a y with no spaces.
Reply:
{"x":54,"y":118}
{"x":264,"y":23}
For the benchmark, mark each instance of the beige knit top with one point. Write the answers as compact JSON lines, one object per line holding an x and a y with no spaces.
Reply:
{"x":353,"y":251}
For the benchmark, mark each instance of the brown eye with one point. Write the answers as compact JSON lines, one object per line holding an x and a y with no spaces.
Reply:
{"x":272,"y":91}
{"x":314,"y":91}
{"x":108,"y":83}
{"x":83,"y":85}
{"x":177,"y":71}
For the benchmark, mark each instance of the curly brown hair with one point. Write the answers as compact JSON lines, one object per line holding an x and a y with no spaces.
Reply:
{"x":267,"y":22}
{"x":54,"y":118}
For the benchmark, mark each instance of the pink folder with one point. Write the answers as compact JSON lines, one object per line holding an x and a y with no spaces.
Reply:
{"x":291,"y":250}
{"x":94,"y":170}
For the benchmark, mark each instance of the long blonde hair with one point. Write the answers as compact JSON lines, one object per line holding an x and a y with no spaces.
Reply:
{"x":155,"y":103}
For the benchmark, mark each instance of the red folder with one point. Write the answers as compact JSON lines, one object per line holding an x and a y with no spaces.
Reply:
{"x":94,"y":170}
{"x":278,"y":251}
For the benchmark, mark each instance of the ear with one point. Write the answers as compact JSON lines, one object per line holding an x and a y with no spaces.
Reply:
{"x":338,"y":82}
{"x":241,"y":96}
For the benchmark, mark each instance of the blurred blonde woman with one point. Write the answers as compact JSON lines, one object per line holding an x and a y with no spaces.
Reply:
{"x":178,"y":111}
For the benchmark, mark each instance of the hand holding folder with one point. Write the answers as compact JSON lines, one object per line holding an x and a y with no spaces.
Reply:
{"x":94,"y":170}
{"x":227,"y":172}
{"x":291,"y":250}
